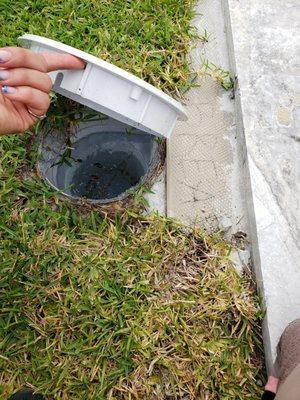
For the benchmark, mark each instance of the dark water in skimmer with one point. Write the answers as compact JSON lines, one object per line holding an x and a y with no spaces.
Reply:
{"x":105,"y":174}
{"x":103,"y":166}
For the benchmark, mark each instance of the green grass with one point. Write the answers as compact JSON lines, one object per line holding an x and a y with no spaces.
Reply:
{"x":150,"y":38}
{"x":127,"y":308}
{"x":123,"y":307}
{"x":219,"y":74}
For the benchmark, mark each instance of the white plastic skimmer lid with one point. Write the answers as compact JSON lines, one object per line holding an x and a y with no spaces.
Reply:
{"x":111,"y":90}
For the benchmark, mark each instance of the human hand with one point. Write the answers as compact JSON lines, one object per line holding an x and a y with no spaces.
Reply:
{"x":25,"y":85}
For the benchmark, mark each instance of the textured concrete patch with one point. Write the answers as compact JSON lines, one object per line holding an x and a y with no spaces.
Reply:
{"x":205,"y":158}
{"x":284,"y":115}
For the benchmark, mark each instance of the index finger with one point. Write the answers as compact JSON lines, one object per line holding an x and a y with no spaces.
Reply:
{"x":17,"y":57}
{"x":57,"y":61}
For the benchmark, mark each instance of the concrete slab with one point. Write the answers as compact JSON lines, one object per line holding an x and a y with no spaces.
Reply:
{"x":265,"y":43}
{"x":205,"y":157}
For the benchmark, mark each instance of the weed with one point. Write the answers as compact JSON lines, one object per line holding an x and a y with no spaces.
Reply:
{"x":218,"y":73}
{"x":205,"y":36}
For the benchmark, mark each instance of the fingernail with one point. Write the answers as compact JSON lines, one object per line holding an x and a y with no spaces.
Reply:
{"x":4,"y":75}
{"x":4,"y":56}
{"x":8,"y":90}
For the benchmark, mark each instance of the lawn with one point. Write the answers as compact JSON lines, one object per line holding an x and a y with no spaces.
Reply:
{"x":147,"y":37}
{"x":124,"y":306}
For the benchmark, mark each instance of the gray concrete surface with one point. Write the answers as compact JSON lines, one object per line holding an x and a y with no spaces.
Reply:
{"x":205,"y":157}
{"x":265,"y":38}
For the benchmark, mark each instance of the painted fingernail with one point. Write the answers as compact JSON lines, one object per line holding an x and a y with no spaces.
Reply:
{"x":4,"y":75}
{"x":8,"y":90}
{"x":4,"y":56}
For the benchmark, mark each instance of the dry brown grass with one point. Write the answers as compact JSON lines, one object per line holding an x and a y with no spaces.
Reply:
{"x":138,"y":308}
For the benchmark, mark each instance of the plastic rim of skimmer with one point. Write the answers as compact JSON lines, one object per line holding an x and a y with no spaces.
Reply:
{"x":111,"y":90}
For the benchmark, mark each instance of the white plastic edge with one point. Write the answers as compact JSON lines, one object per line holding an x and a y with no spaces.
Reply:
{"x":61,"y":47}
